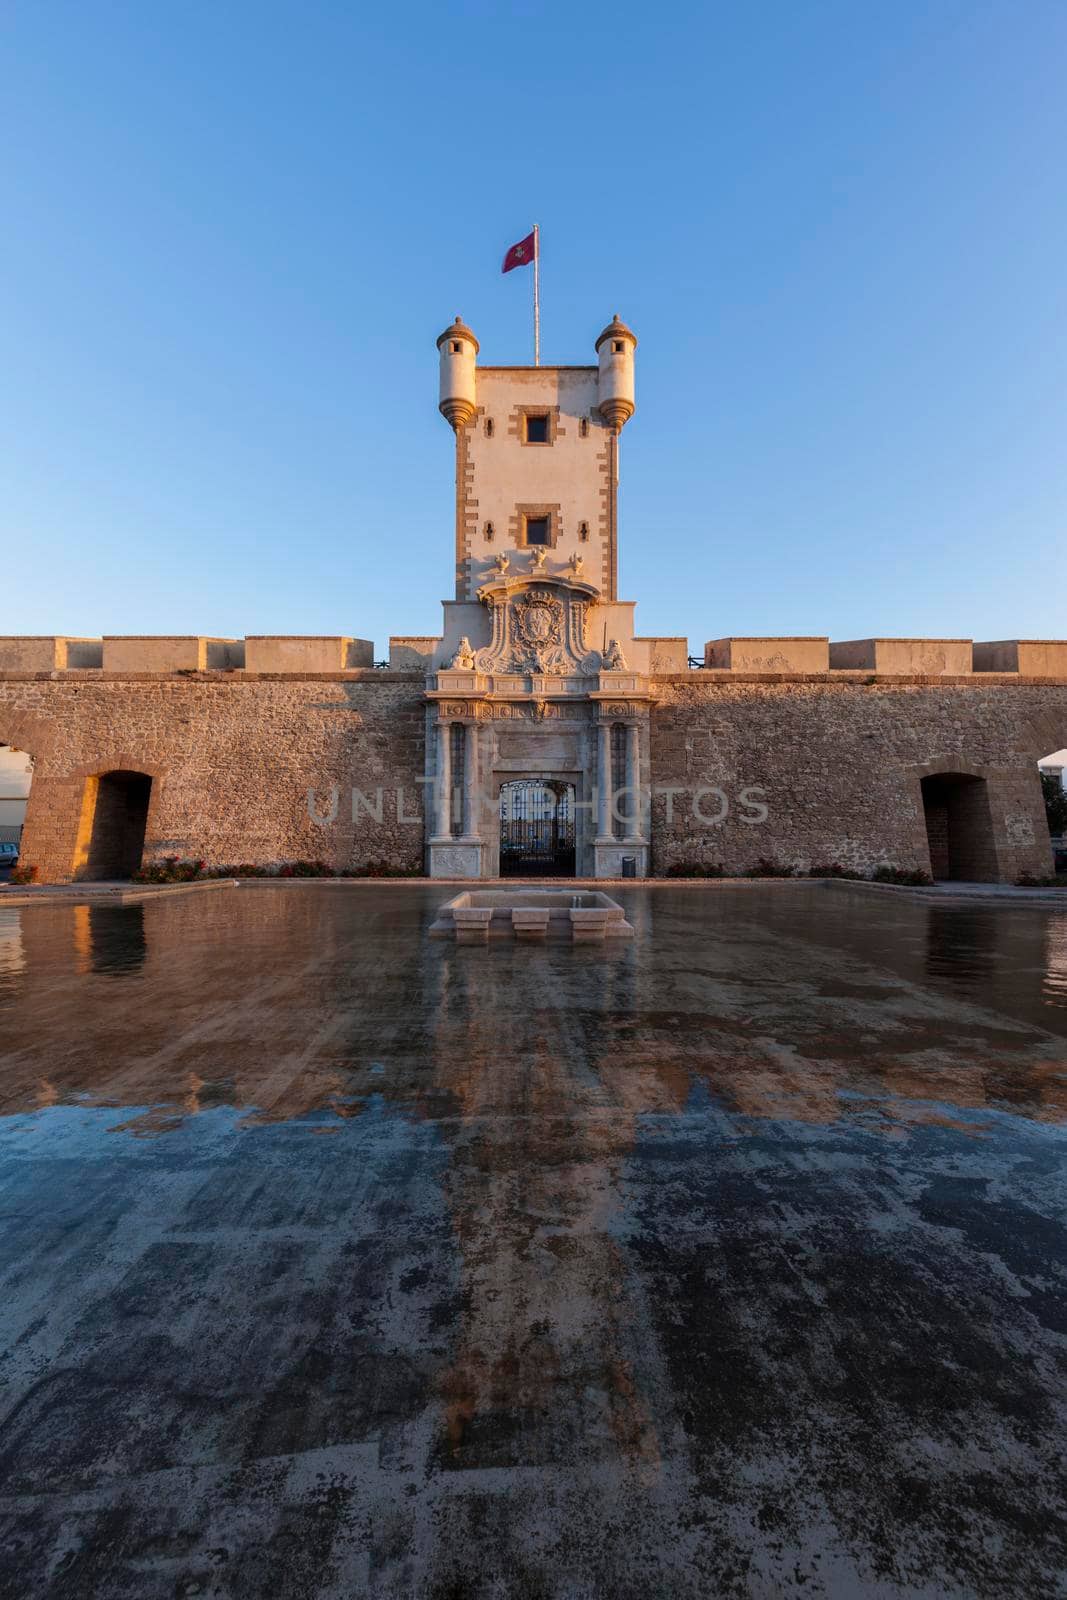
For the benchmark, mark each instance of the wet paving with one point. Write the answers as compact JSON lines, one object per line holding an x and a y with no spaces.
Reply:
{"x":335,"y":1261}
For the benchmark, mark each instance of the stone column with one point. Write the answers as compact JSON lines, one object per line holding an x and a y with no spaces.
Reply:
{"x":443,"y":797}
{"x":603,"y":782}
{"x":633,"y":781}
{"x":471,"y":819}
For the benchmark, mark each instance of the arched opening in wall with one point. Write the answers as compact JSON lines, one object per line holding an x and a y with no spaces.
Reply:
{"x":16,"y":777}
{"x":1053,"y":772}
{"x":113,"y":820}
{"x":959,"y":827}
{"x":537,"y":828}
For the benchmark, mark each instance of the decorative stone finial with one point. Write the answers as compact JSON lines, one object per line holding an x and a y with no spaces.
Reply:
{"x":503,"y":562}
{"x":540,"y":556}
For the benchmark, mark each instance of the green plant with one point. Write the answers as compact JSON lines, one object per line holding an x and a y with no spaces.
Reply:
{"x":768,"y":867}
{"x":306,"y":869}
{"x":1030,"y":880}
{"x":381,"y":869}
{"x":23,"y":875}
{"x":244,"y":869}
{"x":909,"y":876}
{"x":172,"y":869}
{"x":696,"y":869}
{"x":833,"y":869}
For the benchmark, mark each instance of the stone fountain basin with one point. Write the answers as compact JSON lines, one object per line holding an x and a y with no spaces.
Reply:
{"x":581,"y":915}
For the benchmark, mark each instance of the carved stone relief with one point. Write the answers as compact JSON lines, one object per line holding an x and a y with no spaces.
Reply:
{"x":538,"y":628}
{"x":499,"y":711}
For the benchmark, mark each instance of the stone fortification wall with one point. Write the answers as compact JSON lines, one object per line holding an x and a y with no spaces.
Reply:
{"x":232,"y":761}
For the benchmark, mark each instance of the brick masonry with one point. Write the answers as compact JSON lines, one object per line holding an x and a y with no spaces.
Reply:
{"x":233,"y":758}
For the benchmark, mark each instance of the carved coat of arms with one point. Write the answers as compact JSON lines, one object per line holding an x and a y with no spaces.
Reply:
{"x":537,"y":616}
{"x":538,"y":628}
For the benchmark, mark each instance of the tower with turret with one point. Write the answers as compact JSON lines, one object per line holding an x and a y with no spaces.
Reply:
{"x":536,"y":457}
{"x":537,"y":686}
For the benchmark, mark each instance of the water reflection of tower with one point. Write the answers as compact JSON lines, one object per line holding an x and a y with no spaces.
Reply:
{"x":547,"y":1363}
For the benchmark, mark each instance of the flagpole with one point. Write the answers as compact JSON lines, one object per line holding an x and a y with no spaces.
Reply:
{"x":537,"y":295}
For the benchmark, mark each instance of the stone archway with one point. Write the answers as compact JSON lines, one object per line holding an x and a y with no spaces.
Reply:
{"x":111,"y":831}
{"x":16,"y":781}
{"x":537,"y":828}
{"x":959,"y":827}
{"x":16,"y":778}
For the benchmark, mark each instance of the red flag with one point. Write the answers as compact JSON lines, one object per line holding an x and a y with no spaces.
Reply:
{"x":521,"y":254}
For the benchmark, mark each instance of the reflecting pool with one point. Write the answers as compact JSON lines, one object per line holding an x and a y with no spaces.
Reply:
{"x":336,"y":1261}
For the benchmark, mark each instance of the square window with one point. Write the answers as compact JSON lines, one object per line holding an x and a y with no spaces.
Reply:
{"x":457,"y":348}
{"x":618,"y":347}
{"x":537,"y":530}
{"x":537,"y":430}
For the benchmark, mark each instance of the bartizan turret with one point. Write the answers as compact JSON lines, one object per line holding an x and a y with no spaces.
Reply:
{"x":459,"y":384}
{"x":615,"y":352}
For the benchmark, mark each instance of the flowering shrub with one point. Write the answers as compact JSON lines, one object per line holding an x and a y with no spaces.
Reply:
{"x":766,"y":867}
{"x":244,"y":869}
{"x":175,"y":871}
{"x":172,"y":869}
{"x":696,"y":869}
{"x":307,"y":869}
{"x":381,"y":869}
{"x":833,"y":869}
{"x":22,"y":875}
{"x":1030,"y":880}
{"x":911,"y":876}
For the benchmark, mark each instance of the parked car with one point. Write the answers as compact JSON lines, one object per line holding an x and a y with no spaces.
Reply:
{"x":9,"y":857}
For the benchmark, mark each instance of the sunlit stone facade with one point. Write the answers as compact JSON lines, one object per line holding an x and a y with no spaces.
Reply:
{"x":537,"y":731}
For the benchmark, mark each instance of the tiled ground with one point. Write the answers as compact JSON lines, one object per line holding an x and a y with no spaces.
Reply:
{"x":338,"y":1262}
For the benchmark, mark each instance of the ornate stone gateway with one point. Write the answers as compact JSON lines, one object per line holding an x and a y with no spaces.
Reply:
{"x":532,"y":714}
{"x":537,"y":832}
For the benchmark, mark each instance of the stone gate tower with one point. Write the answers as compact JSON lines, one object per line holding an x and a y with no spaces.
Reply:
{"x":537,"y":457}
{"x":538,"y":674}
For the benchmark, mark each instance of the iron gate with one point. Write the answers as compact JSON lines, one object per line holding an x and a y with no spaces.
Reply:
{"x":537,"y":828}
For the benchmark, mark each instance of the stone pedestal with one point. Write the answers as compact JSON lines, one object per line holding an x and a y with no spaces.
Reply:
{"x":609,"y":857}
{"x":456,"y":858}
{"x":472,"y":923}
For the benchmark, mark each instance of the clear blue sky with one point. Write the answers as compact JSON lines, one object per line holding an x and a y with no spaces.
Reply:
{"x":232,"y":232}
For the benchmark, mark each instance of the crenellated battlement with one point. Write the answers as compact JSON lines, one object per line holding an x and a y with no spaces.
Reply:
{"x":168,"y":653}
{"x":925,"y":658}
{"x":300,"y":654}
